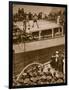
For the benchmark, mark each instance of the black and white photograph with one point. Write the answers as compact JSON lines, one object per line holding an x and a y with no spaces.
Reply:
{"x":38,"y":44}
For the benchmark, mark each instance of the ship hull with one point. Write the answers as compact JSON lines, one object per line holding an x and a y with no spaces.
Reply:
{"x":37,"y":45}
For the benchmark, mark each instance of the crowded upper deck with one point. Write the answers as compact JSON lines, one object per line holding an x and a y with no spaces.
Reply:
{"x":29,"y":27}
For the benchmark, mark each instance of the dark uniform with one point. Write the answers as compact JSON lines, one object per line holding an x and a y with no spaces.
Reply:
{"x":53,"y":62}
{"x":27,"y":21}
{"x":35,"y":20}
{"x":60,"y":63}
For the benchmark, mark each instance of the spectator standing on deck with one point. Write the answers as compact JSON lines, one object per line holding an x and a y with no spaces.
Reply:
{"x":60,"y":63}
{"x":57,"y":61}
{"x":27,"y":20}
{"x":58,"y":20}
{"x":30,"y":16}
{"x":54,"y":62}
{"x":35,"y":17}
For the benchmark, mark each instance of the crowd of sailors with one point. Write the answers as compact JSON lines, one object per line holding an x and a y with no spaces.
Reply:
{"x":26,"y":17}
{"x":21,"y":15}
{"x":52,"y":73}
{"x":21,"y":35}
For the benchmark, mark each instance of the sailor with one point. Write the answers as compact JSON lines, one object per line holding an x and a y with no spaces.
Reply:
{"x":49,"y":75}
{"x":60,"y":63}
{"x":56,"y":60}
{"x":27,"y":20}
{"x":52,"y":63}
{"x":54,"y":79}
{"x":35,"y":17}
{"x":49,"y":72}
{"x":60,"y":78}
{"x":58,"y":20}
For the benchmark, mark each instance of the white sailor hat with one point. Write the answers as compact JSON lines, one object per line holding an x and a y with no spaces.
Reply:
{"x":57,"y":52}
{"x":52,"y":56}
{"x":24,"y":74}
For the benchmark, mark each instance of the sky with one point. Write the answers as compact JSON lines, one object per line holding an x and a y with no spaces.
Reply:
{"x":36,"y":9}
